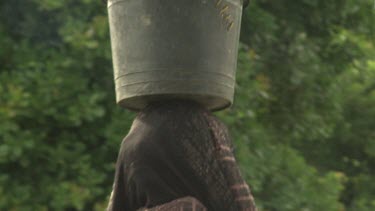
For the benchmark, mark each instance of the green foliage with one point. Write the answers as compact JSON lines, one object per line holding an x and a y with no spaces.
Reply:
{"x":310,"y":64}
{"x":303,"y":119}
{"x":59,"y":128}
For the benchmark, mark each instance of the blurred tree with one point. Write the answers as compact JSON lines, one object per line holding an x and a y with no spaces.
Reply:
{"x":303,"y":117}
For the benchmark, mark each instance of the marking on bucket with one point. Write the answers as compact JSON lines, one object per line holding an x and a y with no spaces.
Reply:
{"x":223,"y":10}
{"x":230,"y":26}
{"x":218,"y":2}
{"x":225,"y":15}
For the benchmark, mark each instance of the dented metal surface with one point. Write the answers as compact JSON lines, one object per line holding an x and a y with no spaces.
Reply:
{"x":165,"y":49}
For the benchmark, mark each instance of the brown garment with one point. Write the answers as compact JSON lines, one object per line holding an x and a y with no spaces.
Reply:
{"x":175,"y":150}
{"x":183,"y":204}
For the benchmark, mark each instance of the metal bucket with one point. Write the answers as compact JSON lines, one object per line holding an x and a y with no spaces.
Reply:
{"x":165,"y":49}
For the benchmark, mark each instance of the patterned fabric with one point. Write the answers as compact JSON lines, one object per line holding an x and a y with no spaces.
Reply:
{"x":183,"y":204}
{"x":175,"y":150}
{"x":224,"y":153}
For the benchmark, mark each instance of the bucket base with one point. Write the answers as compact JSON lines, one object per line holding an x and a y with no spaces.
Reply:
{"x":137,"y":103}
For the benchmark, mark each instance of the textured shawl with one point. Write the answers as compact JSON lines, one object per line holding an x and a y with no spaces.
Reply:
{"x":176,"y":153}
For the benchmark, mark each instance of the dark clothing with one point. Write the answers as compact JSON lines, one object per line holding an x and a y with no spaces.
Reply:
{"x":174,"y":151}
{"x":182,"y":204}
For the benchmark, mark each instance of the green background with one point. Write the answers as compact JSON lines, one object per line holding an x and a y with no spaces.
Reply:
{"x":303,"y":120}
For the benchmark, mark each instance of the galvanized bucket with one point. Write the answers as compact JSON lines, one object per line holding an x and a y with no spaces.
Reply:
{"x":165,"y":49}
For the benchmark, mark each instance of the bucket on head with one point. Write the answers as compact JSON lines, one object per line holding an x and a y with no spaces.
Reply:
{"x":166,"y":49}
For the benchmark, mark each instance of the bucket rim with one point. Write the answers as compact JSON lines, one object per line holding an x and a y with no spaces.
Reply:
{"x":233,"y":2}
